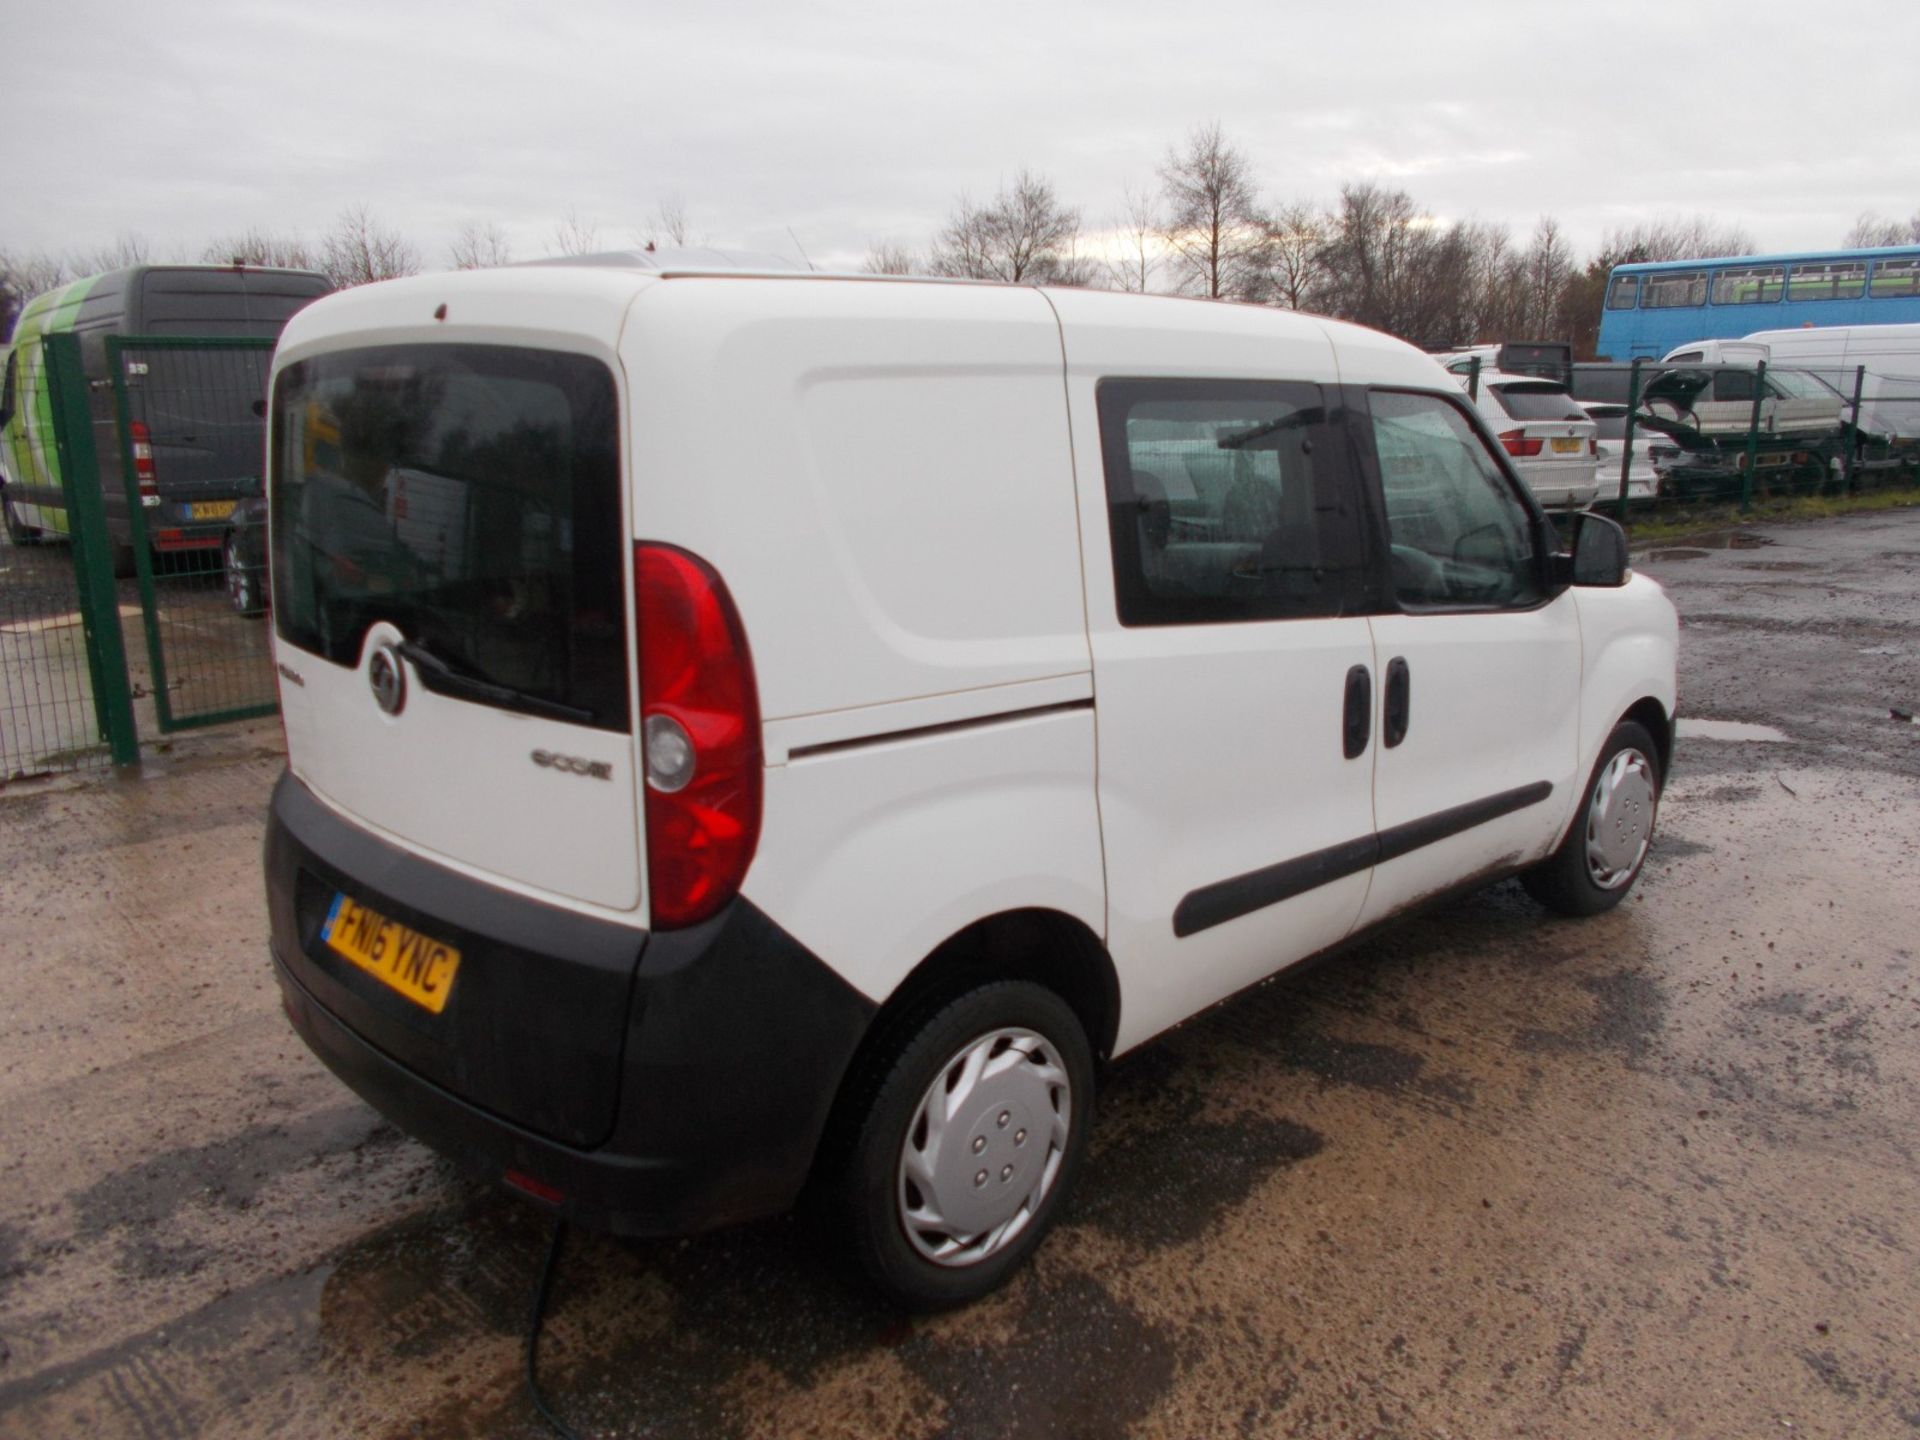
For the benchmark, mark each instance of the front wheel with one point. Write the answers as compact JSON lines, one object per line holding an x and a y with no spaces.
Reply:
{"x":967,"y":1144}
{"x":1601,"y":857}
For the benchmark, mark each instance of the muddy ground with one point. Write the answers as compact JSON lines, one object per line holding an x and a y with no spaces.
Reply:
{"x":1491,"y":1175}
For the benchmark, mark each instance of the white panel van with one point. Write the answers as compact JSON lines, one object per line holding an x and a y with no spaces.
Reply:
{"x":804,"y":727}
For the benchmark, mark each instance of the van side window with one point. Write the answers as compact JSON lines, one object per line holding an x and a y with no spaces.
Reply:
{"x":1461,"y":538}
{"x":1229,"y":500}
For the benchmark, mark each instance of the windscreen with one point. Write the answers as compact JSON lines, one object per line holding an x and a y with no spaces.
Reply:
{"x":469,"y":495}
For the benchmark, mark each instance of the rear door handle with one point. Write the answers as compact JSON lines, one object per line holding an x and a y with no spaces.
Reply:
{"x":1399,"y":702}
{"x":1357,"y":722}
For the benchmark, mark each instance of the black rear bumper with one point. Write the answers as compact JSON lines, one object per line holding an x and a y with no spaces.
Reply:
{"x":661,"y":1084}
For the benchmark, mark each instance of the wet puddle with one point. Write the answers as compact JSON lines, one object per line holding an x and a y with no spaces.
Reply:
{"x":1701,"y":546}
{"x":1692,"y":728}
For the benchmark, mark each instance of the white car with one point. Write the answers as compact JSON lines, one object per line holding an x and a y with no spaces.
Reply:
{"x":1551,"y":440}
{"x":850,"y":710}
{"x":1643,"y":481}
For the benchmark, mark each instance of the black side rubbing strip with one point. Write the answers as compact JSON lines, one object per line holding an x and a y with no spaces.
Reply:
{"x":1398,"y":840}
{"x":1226,"y":900}
{"x":918,"y":732}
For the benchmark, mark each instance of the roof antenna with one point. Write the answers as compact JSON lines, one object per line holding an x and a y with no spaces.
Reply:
{"x":801,"y":248}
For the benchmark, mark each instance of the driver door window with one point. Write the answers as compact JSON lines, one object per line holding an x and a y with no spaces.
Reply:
{"x":1461,"y":538}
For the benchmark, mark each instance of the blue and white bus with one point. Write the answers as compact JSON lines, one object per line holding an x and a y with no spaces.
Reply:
{"x":1653,"y":306}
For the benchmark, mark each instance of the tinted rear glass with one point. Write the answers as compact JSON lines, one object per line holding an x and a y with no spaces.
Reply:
{"x":215,"y":302}
{"x":1538,"y":402}
{"x":469,"y":495}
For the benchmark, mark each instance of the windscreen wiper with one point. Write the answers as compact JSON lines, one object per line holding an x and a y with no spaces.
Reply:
{"x":443,"y":678}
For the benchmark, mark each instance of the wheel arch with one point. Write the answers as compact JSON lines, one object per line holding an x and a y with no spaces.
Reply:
{"x":1046,"y":947}
{"x":1652,"y":715}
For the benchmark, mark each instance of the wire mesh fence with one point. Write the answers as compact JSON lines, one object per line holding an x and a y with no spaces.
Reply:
{"x":48,"y":723}
{"x":189,"y":425}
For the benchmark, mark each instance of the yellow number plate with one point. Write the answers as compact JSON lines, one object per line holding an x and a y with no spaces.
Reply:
{"x":210,"y":509}
{"x":1568,"y":444}
{"x":418,"y":966}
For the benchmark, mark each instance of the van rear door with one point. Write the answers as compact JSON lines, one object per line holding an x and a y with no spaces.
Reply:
{"x":449,"y":566}
{"x":201,"y":407}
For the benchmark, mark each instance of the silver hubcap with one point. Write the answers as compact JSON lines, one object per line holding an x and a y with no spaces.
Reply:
{"x":237,"y":587}
{"x":984,"y":1147}
{"x":1620,"y":819}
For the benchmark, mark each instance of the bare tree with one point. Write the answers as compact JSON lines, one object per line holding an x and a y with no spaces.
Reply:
{"x":255,"y":246}
{"x":1140,"y":242}
{"x":1023,"y":235}
{"x":480,"y":245}
{"x":1296,"y":234}
{"x":1214,"y":230}
{"x":1869,"y":230}
{"x":24,"y":275}
{"x":1671,"y":237}
{"x":360,"y":250}
{"x":1545,"y":267}
{"x":126,"y":249}
{"x":888,"y":258}
{"x":574,"y":236}
{"x":671,"y":225}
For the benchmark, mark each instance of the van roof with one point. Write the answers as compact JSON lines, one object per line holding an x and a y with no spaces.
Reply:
{"x":588,"y":297}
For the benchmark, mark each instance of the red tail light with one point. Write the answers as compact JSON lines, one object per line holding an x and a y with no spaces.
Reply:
{"x":700,"y":736}
{"x":143,"y":473}
{"x":1593,"y":446}
{"x":1517,"y":443}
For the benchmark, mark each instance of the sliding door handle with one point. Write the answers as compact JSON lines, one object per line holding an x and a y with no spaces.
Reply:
{"x":1357,"y":721}
{"x":1399,"y":702}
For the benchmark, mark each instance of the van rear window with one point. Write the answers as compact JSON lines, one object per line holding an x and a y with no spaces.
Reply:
{"x":470,"y":496}
{"x":218,"y":302}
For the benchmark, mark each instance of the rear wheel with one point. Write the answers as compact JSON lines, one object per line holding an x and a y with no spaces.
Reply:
{"x":1601,"y":857}
{"x":970,"y":1131}
{"x":18,"y":533}
{"x":243,"y":582}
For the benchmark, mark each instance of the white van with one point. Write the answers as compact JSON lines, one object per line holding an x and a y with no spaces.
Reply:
{"x":851,"y":711}
{"x":1888,"y":354}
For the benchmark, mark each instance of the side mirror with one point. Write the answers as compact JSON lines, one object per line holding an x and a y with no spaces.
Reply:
{"x":1598,"y":552}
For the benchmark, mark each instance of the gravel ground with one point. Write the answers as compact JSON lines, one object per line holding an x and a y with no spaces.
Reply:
{"x":1491,"y":1174}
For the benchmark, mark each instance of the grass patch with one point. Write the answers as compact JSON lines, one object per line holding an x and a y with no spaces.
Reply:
{"x":1653,"y":527}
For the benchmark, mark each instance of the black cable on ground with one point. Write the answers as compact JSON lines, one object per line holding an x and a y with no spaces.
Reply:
{"x":558,"y":1426}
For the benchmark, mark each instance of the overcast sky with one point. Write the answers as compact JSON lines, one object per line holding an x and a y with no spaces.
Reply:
{"x":849,"y":124}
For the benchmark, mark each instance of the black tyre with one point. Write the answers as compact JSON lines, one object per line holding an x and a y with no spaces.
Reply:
{"x":243,"y":580}
{"x":963,"y":1138}
{"x":1601,"y":857}
{"x":16,"y":532}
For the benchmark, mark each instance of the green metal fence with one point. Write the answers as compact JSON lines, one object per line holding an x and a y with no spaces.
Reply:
{"x":137,"y":608}
{"x":189,"y":422}
{"x":1738,"y":437}
{"x":65,"y":702}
